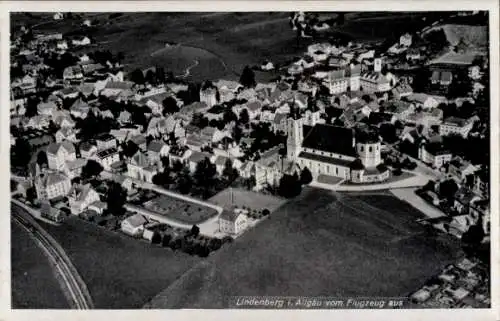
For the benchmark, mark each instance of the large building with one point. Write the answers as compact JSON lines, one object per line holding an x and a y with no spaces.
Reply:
{"x":51,"y":185}
{"x":335,"y":151}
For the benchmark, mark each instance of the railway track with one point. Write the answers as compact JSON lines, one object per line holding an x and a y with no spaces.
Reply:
{"x":80,"y":298}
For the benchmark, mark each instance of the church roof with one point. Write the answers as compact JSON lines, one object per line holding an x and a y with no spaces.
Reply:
{"x":328,"y":138}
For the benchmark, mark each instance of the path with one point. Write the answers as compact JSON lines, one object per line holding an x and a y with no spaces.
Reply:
{"x":408,"y":195}
{"x":414,"y":181}
{"x":188,"y":69}
{"x":70,"y":280}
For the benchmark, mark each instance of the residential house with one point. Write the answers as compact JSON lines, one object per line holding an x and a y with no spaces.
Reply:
{"x":81,"y":41}
{"x":233,"y":221}
{"x":74,"y":168}
{"x":118,"y":89}
{"x":463,"y":199}
{"x":402,"y":90}
{"x":124,"y":117}
{"x":124,"y":133}
{"x":195,"y":158}
{"x":125,"y":182}
{"x":80,"y":197}
{"x":87,"y":150}
{"x":422,"y":100}
{"x":51,"y":213}
{"x":138,"y":167}
{"x":254,"y":109}
{"x":374,"y":82}
{"x":39,"y":122}
{"x":227,"y":89}
{"x":79,"y":109}
{"x":62,"y":45}
{"x":279,"y":122}
{"x":434,"y":154}
{"x":157,"y":127}
{"x":140,"y":141}
{"x":134,"y":225}
{"x":220,"y":162}
{"x":156,"y":150}
{"x":405,"y":40}
{"x":413,"y":54}
{"x":46,"y":108}
{"x":460,"y":169}
{"x":456,"y":125}
{"x":482,"y":183}
{"x":105,"y":141}
{"x":379,"y":118}
{"x":68,"y":92}
{"x":66,"y":133}
{"x":208,"y":94}
{"x":51,"y":185}
{"x":442,"y":78}
{"x":98,"y":207}
{"x":73,"y":73}
{"x":107,"y":157}
{"x":59,"y":153}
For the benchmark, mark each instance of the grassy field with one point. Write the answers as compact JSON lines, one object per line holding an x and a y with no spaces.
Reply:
{"x":245,"y":198}
{"x":229,"y":40}
{"x":120,"y":272}
{"x":34,"y":285}
{"x":180,"y":210}
{"x":320,"y":244}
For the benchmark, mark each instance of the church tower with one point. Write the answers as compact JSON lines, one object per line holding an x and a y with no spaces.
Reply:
{"x":369,"y":151}
{"x":295,"y":137}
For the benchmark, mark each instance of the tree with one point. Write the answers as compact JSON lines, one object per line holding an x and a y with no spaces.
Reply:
{"x":21,"y":153}
{"x":169,"y":106}
{"x":166,"y":240}
{"x":265,"y":212}
{"x":237,"y":133}
{"x":185,"y":182}
{"x":161,"y":179}
{"x":31,"y":194}
{"x":250,"y":182}
{"x":32,"y":107}
{"x":305,"y":176}
{"x":41,"y":158}
{"x":289,"y":186}
{"x":177,"y":166}
{"x":91,"y":169}
{"x":115,"y":199}
{"x":247,"y":78}
{"x":229,"y":116}
{"x":244,"y":117}
{"x":165,"y":162}
{"x":204,"y":175}
{"x":195,"y":231}
{"x":229,"y":172}
{"x":160,"y":75}
{"x":474,"y":235}
{"x":448,"y":188}
{"x":137,"y":77}
{"x":150,"y":77}
{"x":130,"y":148}
{"x":156,"y":238}
{"x":388,"y":132}
{"x":214,"y":244}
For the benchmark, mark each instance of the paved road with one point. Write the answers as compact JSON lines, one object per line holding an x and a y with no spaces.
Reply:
{"x":70,"y":279}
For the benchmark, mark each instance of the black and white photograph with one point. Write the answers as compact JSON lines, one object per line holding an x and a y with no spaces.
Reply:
{"x":277,"y":160}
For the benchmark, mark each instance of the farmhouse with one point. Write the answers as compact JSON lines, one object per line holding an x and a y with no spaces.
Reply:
{"x":233,"y":221}
{"x":134,"y":225}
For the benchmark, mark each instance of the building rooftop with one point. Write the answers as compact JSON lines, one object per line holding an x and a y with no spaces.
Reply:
{"x":329,"y":138}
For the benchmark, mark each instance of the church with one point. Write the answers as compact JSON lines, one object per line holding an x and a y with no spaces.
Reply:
{"x":335,"y":151}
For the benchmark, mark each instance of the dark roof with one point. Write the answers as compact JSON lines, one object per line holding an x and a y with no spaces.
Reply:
{"x":325,"y":159}
{"x":377,"y":117}
{"x":357,"y":165}
{"x":328,"y":138}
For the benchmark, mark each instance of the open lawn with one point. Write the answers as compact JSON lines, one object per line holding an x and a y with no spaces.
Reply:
{"x":34,"y":284}
{"x":120,"y":272}
{"x":181,"y":211}
{"x":320,"y":244}
{"x":245,"y":198}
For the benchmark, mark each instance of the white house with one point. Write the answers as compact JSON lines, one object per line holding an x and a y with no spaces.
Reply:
{"x":434,"y":154}
{"x":80,"y":197}
{"x":233,"y":222}
{"x":134,"y":225}
{"x":81,"y":41}
{"x":138,"y":167}
{"x":423,"y":100}
{"x":51,"y":185}
{"x":107,"y":157}
{"x":456,"y":125}
{"x":59,"y":153}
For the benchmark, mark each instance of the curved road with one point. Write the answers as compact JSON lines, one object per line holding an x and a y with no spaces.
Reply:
{"x":73,"y":283}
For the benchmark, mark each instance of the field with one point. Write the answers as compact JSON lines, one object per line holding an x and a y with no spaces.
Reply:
{"x":120,"y":272}
{"x":223,"y":42}
{"x":179,"y":210}
{"x":320,"y":244}
{"x":244,"y":198}
{"x":34,"y":285}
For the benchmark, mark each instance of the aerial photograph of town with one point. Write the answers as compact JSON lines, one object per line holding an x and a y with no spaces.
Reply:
{"x":239,"y":160}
